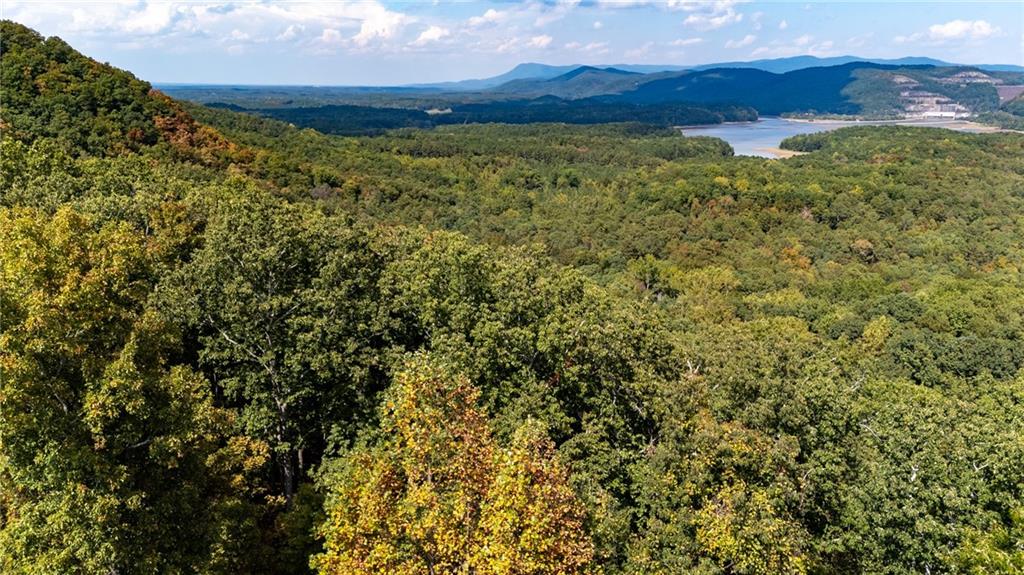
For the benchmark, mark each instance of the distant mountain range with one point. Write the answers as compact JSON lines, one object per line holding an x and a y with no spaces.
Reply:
{"x":535,"y":71}
{"x":802,"y":85}
{"x":783,"y":65}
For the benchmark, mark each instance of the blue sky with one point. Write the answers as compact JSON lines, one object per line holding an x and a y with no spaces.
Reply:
{"x":380,"y":42}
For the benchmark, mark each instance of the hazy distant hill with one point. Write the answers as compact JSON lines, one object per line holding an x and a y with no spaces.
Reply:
{"x":535,"y":71}
{"x":853,"y":88}
{"x":907,"y":86}
{"x":581,"y":82}
{"x":520,"y":72}
{"x":807,"y":90}
{"x":783,"y":65}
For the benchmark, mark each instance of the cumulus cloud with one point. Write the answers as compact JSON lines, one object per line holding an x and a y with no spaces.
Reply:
{"x":491,"y":16}
{"x":379,"y":23}
{"x":353,"y":23}
{"x":709,"y":15}
{"x":954,"y":30}
{"x":704,"y":14}
{"x":598,"y":25}
{"x":958,"y":29}
{"x":745,"y":41}
{"x":292,"y":32}
{"x":783,"y":25}
{"x":331,"y":36}
{"x":541,"y":41}
{"x":685,"y":42}
{"x":431,"y":34}
{"x":153,"y":18}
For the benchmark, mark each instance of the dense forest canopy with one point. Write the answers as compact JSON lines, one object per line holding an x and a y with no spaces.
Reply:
{"x":230,"y":345}
{"x":361,"y":120}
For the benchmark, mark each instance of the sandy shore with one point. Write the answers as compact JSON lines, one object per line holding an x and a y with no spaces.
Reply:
{"x":958,"y":125}
{"x":779,"y":152}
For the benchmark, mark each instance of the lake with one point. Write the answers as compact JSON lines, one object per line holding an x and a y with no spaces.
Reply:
{"x":762,"y":138}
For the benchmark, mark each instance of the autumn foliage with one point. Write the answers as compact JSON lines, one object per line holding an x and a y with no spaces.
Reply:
{"x":437,"y":495}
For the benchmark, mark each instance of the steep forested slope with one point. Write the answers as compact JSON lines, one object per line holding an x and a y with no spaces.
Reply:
{"x":532,"y":349}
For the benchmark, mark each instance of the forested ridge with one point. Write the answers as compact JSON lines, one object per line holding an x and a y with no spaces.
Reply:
{"x":229,"y":345}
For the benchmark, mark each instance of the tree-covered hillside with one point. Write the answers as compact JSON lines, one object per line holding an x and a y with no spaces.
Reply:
{"x":230,"y":345}
{"x":1009,"y":116}
{"x":363,"y":120}
{"x":592,"y":95}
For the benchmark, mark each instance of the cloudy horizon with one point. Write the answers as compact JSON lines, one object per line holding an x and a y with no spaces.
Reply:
{"x":371,"y":42}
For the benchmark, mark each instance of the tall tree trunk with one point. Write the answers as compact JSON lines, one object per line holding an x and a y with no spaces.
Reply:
{"x":286,"y":459}
{"x":288,"y":475}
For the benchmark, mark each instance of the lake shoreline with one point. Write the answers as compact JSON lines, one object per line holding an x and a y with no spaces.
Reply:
{"x":762,"y":137}
{"x":960,"y":125}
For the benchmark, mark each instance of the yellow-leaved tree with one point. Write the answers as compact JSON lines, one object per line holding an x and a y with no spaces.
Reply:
{"x":531,"y":521}
{"x":435,"y":494}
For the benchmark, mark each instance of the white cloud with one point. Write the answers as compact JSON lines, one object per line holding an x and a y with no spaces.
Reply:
{"x":598,"y":25}
{"x":952,"y":31}
{"x":509,"y":45}
{"x":331,"y":36}
{"x":960,"y":29}
{"x":908,"y":39}
{"x":685,"y":42}
{"x":709,"y":15}
{"x":541,"y":41}
{"x":158,"y":23}
{"x":491,"y":16}
{"x":688,"y":5}
{"x":292,"y":32}
{"x":154,"y":17}
{"x":328,"y":42}
{"x":380,"y":23}
{"x":623,"y":3}
{"x":783,"y":25}
{"x":704,"y":14}
{"x":745,"y":41}
{"x":594,"y":48}
{"x":560,"y":10}
{"x":756,"y":18}
{"x":431,"y":34}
